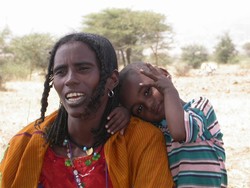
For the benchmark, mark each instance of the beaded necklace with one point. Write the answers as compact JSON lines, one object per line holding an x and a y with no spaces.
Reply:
{"x":87,"y":150}
{"x":69,"y":162}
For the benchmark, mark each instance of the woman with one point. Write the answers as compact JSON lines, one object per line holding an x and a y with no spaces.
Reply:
{"x":71,"y":147}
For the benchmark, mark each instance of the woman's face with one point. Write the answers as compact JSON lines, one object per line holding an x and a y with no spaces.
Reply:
{"x":76,"y":76}
{"x":144,"y":101}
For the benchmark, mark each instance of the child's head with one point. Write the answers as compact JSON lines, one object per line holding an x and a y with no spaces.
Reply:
{"x":143,"y":101}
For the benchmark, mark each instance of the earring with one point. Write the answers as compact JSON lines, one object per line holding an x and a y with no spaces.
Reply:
{"x":111,"y":93}
{"x":51,"y":84}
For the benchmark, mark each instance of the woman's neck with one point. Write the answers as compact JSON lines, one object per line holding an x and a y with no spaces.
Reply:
{"x":80,"y":130}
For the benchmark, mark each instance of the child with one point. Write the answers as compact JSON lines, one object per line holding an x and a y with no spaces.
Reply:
{"x":192,"y":132}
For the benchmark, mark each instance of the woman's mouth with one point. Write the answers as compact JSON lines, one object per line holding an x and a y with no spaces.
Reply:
{"x":75,"y":98}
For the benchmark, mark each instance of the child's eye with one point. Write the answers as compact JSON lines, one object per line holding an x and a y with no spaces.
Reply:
{"x":139,"y":110}
{"x":147,"y":91}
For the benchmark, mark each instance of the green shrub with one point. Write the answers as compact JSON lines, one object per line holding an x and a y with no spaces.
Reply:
{"x":194,"y":55}
{"x":13,"y":71}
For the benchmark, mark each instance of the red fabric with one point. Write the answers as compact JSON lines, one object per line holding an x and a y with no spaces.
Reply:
{"x":56,"y":174}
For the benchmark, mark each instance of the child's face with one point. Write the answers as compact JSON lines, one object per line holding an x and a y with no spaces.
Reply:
{"x":144,"y":101}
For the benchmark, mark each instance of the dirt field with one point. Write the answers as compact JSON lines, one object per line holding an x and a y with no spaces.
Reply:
{"x":228,"y":88}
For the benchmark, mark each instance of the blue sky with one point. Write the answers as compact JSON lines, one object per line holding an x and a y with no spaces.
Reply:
{"x":193,"y":21}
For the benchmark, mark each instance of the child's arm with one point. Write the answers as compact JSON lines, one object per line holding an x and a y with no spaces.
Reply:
{"x":118,"y":120}
{"x":201,"y":121}
{"x":174,"y":112}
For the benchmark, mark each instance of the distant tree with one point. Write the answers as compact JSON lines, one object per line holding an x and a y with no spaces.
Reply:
{"x":194,"y":55}
{"x":246,"y":47}
{"x":32,"y":50}
{"x":5,"y":36}
{"x":225,"y":51}
{"x":156,"y":35}
{"x":130,"y":31}
{"x":163,"y":59}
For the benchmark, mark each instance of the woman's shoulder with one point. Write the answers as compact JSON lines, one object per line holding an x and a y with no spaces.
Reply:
{"x":138,"y":126}
{"x":30,"y":130}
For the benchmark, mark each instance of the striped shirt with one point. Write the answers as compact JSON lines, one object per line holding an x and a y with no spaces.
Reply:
{"x":199,"y":161}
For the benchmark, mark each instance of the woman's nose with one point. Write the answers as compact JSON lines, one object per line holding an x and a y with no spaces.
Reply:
{"x":71,"y":79}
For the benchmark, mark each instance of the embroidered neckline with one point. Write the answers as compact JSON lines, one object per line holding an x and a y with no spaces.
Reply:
{"x":86,"y":149}
{"x":69,"y":163}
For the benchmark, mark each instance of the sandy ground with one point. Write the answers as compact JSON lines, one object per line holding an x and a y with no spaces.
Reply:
{"x":228,"y":88}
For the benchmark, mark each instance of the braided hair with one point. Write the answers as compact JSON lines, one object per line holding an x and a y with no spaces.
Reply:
{"x":107,"y":63}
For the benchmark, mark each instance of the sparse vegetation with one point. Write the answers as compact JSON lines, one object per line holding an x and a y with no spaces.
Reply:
{"x":194,"y":55}
{"x":182,"y":69}
{"x":139,"y":32}
{"x":225,"y":51}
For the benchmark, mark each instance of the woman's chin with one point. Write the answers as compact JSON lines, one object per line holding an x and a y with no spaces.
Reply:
{"x":76,"y":113}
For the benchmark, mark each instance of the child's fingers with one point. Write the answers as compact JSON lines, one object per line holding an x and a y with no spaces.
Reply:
{"x":110,"y":118}
{"x":117,"y":119}
{"x":148,"y":74}
{"x":122,"y":131}
{"x":147,"y":85}
{"x":110,"y":123}
{"x":166,"y":73}
{"x":115,"y":126}
{"x":112,"y":114}
{"x":113,"y":120}
{"x":118,"y":127}
{"x":153,"y":69}
{"x":157,"y":71}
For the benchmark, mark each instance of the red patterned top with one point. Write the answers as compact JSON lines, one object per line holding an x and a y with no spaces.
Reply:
{"x":56,"y":174}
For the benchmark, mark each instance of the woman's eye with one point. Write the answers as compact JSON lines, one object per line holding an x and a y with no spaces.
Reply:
{"x":59,"y":72}
{"x":83,"y":68}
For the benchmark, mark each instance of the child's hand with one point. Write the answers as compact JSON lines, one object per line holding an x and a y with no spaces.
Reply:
{"x":161,"y":77}
{"x":118,"y":120}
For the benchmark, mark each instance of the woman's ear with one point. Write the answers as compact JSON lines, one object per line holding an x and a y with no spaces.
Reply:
{"x":113,"y":80}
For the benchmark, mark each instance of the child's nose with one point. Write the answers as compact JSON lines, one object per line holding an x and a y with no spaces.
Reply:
{"x":150,"y":104}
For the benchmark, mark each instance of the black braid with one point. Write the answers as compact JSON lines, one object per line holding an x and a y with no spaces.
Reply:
{"x":57,"y":132}
{"x":44,"y":100}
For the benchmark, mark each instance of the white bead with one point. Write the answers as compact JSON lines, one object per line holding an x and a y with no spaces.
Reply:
{"x":78,"y":180}
{"x":75,"y":172}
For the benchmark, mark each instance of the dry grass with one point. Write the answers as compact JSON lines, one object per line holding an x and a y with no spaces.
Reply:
{"x":228,"y":89}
